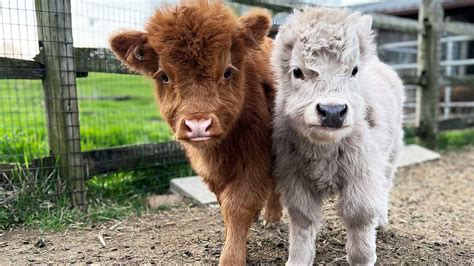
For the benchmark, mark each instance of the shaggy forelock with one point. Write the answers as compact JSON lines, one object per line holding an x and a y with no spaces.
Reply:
{"x":325,"y":32}
{"x":192,"y":35}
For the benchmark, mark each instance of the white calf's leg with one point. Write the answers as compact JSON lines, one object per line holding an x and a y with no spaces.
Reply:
{"x":303,"y":231}
{"x":360,"y":246}
{"x":383,"y":201}
{"x":360,"y":208}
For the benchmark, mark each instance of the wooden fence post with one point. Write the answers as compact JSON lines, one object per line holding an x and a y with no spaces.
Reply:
{"x":56,"y":44}
{"x":430,"y":18}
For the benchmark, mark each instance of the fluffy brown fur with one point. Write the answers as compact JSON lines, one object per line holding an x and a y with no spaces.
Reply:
{"x":187,"y":49}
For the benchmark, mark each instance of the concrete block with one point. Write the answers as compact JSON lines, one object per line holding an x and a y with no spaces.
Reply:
{"x":193,"y":187}
{"x":415,"y":154}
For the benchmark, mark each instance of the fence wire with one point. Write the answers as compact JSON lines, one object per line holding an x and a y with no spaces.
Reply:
{"x":72,"y":118}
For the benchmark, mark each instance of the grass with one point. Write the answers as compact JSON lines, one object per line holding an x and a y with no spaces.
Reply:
{"x":115,"y":110}
{"x":30,"y":198}
{"x":456,"y":139}
{"x":447,"y":140}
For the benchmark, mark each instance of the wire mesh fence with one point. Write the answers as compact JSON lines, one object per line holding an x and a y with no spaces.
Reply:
{"x":73,"y":119}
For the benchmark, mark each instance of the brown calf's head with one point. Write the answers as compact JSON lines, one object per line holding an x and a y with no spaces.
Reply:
{"x":196,"y":54}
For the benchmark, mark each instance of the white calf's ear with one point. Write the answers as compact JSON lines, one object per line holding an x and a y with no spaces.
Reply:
{"x":364,"y":30}
{"x":365,"y":24}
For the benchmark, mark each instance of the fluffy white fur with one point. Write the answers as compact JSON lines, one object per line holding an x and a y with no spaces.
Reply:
{"x":355,"y":162}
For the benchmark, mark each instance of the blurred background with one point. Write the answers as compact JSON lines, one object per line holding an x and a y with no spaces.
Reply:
{"x":78,"y":132}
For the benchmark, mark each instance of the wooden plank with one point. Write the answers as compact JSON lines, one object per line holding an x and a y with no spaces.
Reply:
{"x":116,"y":159}
{"x":98,"y":60}
{"x":409,"y":79}
{"x":7,"y":167}
{"x":59,"y":84}
{"x":443,"y":104}
{"x":459,"y":28}
{"x":85,"y":60}
{"x":133,"y":157}
{"x":430,"y":16}
{"x":387,"y":22}
{"x":466,"y":80}
{"x":94,"y":60}
{"x":12,"y":68}
{"x":456,"y":123}
{"x":276,"y":7}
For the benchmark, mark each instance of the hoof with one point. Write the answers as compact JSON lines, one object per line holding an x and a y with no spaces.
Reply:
{"x":383,"y":223}
{"x":271,"y":225}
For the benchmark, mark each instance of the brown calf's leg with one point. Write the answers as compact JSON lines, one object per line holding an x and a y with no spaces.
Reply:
{"x":273,"y":208}
{"x":238,"y":208}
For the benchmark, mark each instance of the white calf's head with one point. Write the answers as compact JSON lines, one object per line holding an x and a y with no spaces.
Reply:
{"x":319,"y":57}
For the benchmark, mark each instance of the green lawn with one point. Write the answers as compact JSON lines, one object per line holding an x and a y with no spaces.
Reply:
{"x":114,"y":110}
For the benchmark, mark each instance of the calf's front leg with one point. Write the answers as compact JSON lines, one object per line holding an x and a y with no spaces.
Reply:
{"x":302,"y":239}
{"x":306,"y":217}
{"x":238,"y":208}
{"x":360,"y":208}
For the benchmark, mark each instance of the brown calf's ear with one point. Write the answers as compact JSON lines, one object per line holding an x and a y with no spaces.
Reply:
{"x":255,"y":26}
{"x":132,"y":48}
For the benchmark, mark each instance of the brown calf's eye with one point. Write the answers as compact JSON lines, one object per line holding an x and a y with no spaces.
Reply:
{"x":354,"y":71}
{"x":297,"y":73}
{"x":227,"y":73}
{"x":164,"y":78}
{"x":139,"y":53}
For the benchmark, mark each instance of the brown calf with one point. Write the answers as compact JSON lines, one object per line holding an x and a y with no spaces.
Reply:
{"x":214,"y":87}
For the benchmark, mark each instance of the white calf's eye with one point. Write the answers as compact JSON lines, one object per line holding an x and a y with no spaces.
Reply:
{"x":354,"y":71}
{"x":297,"y":73}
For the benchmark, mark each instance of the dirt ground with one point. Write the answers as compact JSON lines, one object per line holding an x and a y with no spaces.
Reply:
{"x":431,"y":221}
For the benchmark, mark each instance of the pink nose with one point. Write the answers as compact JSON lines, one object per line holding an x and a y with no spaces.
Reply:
{"x":198,"y":129}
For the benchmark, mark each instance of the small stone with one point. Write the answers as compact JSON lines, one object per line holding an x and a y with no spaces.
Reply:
{"x":40,"y":243}
{"x":187,"y":253}
{"x":163,"y":200}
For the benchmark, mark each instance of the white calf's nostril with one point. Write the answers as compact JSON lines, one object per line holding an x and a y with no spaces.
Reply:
{"x":320,"y":110}
{"x":342,"y":114}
